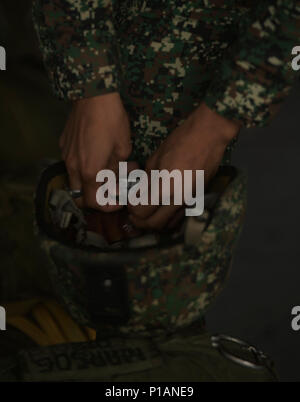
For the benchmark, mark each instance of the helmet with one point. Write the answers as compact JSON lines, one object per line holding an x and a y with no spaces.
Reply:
{"x":144,"y":284}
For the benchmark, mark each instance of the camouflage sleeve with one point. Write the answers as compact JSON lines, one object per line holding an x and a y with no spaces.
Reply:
{"x":256,"y":75}
{"x":79,"y":46}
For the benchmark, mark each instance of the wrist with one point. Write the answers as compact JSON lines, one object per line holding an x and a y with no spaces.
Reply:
{"x":218,"y":127}
{"x":107,"y":101}
{"x":107,"y":108}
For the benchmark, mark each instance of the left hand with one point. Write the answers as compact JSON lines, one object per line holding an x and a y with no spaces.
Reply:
{"x":198,"y":144}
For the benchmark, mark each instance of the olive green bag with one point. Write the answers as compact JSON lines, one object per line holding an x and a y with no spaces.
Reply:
{"x":182,"y":357}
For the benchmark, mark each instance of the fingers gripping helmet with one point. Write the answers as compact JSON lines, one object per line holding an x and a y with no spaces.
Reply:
{"x":148,"y":283}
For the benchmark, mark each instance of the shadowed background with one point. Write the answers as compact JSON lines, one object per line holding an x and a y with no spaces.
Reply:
{"x":263,"y":287}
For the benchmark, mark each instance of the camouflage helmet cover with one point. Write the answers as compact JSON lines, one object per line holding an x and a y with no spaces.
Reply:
{"x":145,"y":287}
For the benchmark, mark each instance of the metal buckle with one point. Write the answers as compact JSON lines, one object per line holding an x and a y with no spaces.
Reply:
{"x":260,"y":359}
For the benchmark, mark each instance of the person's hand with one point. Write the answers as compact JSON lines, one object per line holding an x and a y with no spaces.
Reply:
{"x":96,"y":137}
{"x":114,"y":227}
{"x":198,"y":144}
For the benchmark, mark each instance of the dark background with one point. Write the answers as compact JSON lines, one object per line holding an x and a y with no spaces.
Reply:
{"x":264,"y":284}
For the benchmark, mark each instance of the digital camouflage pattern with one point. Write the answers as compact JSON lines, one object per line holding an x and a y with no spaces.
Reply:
{"x":23,"y":86}
{"x":168,"y":286}
{"x":166,"y":56}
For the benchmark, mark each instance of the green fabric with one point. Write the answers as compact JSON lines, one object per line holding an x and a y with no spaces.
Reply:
{"x":189,"y":358}
{"x":165,"y":56}
{"x":192,"y":358}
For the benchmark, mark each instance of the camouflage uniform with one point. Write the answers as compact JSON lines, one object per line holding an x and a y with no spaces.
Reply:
{"x":166,"y":56}
{"x":165,"y":59}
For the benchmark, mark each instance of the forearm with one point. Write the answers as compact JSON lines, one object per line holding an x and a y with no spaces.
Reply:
{"x":79,"y":46}
{"x":255,"y":75}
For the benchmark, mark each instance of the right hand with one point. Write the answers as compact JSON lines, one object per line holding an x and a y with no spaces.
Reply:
{"x":96,"y":137}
